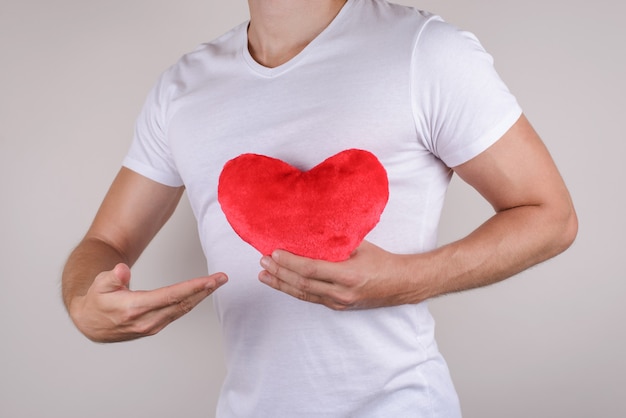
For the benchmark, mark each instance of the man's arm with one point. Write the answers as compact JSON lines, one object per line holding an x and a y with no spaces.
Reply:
{"x":97,"y":274}
{"x":535,"y":220}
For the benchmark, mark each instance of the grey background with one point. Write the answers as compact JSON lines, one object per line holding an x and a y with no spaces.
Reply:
{"x":73,"y":75}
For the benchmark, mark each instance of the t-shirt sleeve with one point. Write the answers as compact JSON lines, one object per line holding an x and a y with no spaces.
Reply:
{"x":149,"y":153}
{"x":461,"y":105}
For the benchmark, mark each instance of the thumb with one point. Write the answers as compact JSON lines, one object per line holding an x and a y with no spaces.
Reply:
{"x":122,"y":274}
{"x":114,"y":280}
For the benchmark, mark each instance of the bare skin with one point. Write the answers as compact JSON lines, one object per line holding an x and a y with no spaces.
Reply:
{"x":534,"y":221}
{"x":280,"y":29}
{"x":97,"y":275}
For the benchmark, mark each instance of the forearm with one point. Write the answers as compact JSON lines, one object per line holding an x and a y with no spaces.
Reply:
{"x":508,"y":243}
{"x":91,"y":257}
{"x":534,"y":220}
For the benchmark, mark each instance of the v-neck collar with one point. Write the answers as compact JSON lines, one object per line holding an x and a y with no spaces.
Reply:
{"x":280,"y":69}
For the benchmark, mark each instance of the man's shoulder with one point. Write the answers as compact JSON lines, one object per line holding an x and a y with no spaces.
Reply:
{"x":226,"y":44}
{"x":204,"y":62}
{"x":397,"y":13}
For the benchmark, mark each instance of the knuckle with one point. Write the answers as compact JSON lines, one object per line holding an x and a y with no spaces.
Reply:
{"x":309,"y":269}
{"x":185,"y":306}
{"x":351,"y":280}
{"x":303,"y":296}
{"x":277,"y":271}
{"x":144,"y":328}
{"x":345,"y":300}
{"x":303,"y":284}
{"x":182,"y":305}
{"x":172,"y":300}
{"x":154,"y":329}
{"x":336,"y":306}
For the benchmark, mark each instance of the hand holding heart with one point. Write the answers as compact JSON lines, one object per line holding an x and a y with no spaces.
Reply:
{"x":370,"y":278}
{"x":313,"y":224}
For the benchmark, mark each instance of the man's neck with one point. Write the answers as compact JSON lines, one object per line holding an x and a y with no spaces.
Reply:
{"x":280,"y":29}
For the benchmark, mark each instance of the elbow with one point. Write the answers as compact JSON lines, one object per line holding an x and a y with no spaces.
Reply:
{"x":572,"y":230}
{"x":568,"y":230}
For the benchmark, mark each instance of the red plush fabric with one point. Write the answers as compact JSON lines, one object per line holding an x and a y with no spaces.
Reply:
{"x":323,"y":213}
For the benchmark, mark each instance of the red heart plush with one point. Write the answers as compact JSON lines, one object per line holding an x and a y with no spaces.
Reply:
{"x":323,"y":213}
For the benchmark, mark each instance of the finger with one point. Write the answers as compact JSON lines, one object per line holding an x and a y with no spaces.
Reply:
{"x":303,"y":266}
{"x":316,"y":291}
{"x":184,"y":295}
{"x":293,"y":283}
{"x":155,"y":309}
{"x":304,"y":289}
{"x":122,"y":273}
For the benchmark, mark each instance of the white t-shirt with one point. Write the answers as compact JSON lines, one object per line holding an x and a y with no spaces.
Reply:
{"x":415,"y":91}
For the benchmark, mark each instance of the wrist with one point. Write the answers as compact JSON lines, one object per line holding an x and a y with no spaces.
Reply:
{"x":422,"y":275}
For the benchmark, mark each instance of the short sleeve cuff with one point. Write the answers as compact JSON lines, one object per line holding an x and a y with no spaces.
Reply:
{"x":168,"y":179}
{"x":476,"y":147}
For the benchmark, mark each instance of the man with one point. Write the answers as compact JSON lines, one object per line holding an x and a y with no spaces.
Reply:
{"x":303,"y":81}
